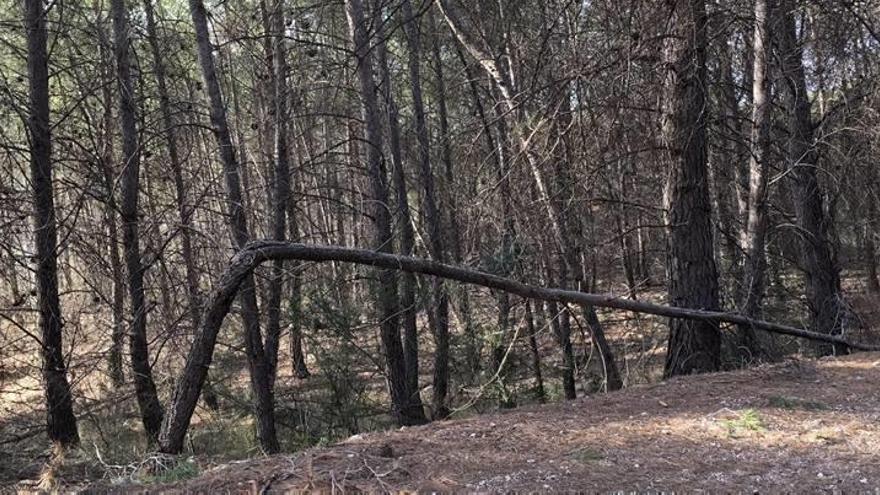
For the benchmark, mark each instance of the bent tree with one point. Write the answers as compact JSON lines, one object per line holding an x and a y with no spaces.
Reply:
{"x":186,"y":392}
{"x":257,"y":362}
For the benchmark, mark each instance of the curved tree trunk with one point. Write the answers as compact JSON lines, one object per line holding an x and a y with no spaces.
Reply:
{"x":257,"y":362}
{"x":186,"y":392}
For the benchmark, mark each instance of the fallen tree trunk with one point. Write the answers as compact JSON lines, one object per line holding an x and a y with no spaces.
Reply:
{"x":186,"y":393}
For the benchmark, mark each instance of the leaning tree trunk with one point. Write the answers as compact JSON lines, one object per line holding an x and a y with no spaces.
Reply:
{"x":822,"y":274}
{"x":405,"y":409}
{"x":755,"y":231}
{"x":142,"y":373}
{"x":507,"y":93}
{"x":694,"y":346}
{"x":60,"y":420}
{"x":257,"y":362}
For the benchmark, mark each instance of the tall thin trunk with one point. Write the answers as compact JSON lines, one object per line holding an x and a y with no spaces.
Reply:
{"x":694,"y":347}
{"x":756,"y":221}
{"x":452,"y":220}
{"x":536,"y":354}
{"x":822,"y":274}
{"x":432,"y":216}
{"x":282,"y":182}
{"x":408,"y":307}
{"x":404,"y":409}
{"x":184,"y":212}
{"x":117,"y":307}
{"x":145,"y":387}
{"x":507,"y":91}
{"x":60,"y":420}
{"x":257,"y":362}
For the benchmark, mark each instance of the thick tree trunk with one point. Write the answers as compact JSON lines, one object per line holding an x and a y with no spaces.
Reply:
{"x":756,"y":215}
{"x":145,"y":387}
{"x":60,"y":421}
{"x":694,"y":346}
{"x":257,"y":362}
{"x":404,"y":408}
{"x":824,"y":295}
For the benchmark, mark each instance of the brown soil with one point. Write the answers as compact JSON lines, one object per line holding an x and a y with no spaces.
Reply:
{"x":800,"y":426}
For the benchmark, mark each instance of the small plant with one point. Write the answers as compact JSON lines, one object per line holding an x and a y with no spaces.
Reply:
{"x":748,"y":420}
{"x":790,"y":403}
{"x":587,"y":455}
{"x":180,"y":471}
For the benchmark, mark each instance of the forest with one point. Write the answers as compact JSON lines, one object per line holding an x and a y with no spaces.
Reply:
{"x":275,"y":245}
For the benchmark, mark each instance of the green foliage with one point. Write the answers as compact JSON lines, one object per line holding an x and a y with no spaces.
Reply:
{"x":180,"y":471}
{"x":345,"y":396}
{"x":749,"y":420}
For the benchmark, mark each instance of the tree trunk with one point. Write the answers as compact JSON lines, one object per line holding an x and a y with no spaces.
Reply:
{"x":60,"y":421}
{"x":403,"y":406}
{"x":257,"y":362}
{"x":507,"y":91}
{"x":536,"y":355}
{"x":437,"y":250}
{"x":281,"y":198}
{"x":822,"y":274}
{"x":145,"y":387}
{"x":408,"y":308}
{"x":183,"y":400}
{"x":694,"y":346}
{"x":756,"y":214}
{"x":117,"y":307}
{"x":184,"y":213}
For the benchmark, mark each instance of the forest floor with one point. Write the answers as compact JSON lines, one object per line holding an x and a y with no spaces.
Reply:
{"x":798,"y":426}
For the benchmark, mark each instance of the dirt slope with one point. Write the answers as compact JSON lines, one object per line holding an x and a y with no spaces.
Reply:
{"x":799,"y":426}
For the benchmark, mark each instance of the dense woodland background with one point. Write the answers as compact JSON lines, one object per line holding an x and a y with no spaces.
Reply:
{"x":710,"y":154}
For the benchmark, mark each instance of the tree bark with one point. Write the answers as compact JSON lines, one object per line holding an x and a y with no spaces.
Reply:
{"x":257,"y":362}
{"x":145,"y":387}
{"x":408,"y":307}
{"x":824,"y":295}
{"x":756,"y":214}
{"x":404,"y":408}
{"x":61,"y":424}
{"x":432,"y":215}
{"x":694,"y":346}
